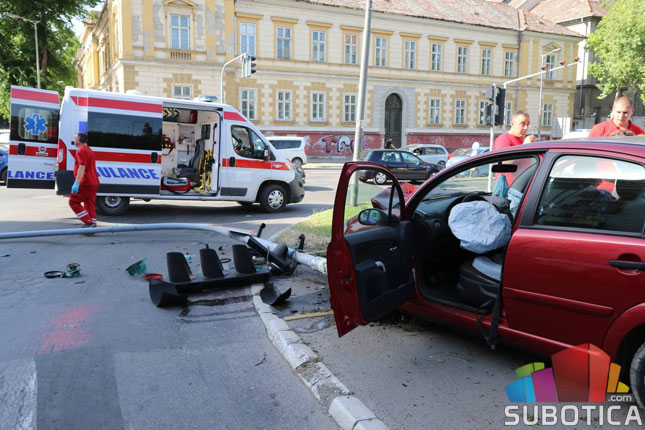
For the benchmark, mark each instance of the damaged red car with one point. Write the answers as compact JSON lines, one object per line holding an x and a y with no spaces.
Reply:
{"x":546,"y":251}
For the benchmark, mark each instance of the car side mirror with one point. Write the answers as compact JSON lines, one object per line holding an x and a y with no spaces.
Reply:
{"x":372,"y":216}
{"x":266,"y":154}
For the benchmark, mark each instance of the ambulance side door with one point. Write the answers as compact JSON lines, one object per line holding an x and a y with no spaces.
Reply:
{"x":33,"y":140}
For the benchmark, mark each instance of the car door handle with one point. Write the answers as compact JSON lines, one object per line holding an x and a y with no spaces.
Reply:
{"x":380,"y":265}
{"x":630,"y":265}
{"x":394,"y":249}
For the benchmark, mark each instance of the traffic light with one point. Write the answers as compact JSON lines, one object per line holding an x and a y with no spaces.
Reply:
{"x":248,"y":66}
{"x":485,"y":113}
{"x":489,"y":92}
{"x":500,"y":105}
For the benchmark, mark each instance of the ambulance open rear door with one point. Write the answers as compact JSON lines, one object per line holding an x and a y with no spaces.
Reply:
{"x":33,"y":141}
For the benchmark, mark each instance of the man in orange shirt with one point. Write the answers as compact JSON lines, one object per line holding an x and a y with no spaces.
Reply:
{"x":620,"y":119}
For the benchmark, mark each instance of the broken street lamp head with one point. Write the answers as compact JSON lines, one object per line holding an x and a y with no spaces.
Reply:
{"x":577,"y":59}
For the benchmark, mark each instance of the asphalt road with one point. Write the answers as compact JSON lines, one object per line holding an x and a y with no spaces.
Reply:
{"x":93,"y":352}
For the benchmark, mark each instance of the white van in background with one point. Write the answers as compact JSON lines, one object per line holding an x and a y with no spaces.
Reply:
{"x":291,"y":147}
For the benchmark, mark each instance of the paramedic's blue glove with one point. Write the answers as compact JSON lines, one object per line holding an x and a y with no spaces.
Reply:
{"x":75,"y":188}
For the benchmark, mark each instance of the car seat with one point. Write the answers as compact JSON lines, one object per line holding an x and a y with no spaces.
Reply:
{"x":192,"y":170}
{"x":482,"y":229}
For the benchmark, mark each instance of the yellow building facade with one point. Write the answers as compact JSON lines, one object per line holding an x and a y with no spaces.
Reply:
{"x":425,"y":79}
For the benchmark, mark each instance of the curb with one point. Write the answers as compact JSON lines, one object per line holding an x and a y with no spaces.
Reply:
{"x":348,"y":411}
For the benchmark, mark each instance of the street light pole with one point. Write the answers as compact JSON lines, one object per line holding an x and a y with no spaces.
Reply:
{"x":35,"y":24}
{"x":362,"y":81}
{"x":540,"y":109}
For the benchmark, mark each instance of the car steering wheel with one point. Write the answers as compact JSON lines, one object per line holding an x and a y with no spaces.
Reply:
{"x":474,"y":197}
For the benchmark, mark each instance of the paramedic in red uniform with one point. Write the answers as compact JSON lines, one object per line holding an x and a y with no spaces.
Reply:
{"x":517,"y":134}
{"x":86,"y":182}
{"x":620,"y":119}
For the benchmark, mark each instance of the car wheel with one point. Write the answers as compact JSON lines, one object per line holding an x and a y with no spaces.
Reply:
{"x":297,"y":161}
{"x":3,"y":176}
{"x":432,"y":173}
{"x":442,"y":163}
{"x":246,"y":204}
{"x":112,"y":205}
{"x":380,"y":178}
{"x":273,"y":198}
{"x":637,"y":376}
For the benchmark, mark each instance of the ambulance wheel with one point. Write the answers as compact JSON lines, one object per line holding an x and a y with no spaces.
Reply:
{"x":112,"y":205}
{"x":297,"y":162}
{"x":273,"y":198}
{"x":245,"y":204}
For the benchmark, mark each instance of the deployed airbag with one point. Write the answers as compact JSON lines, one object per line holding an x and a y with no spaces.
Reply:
{"x":479,"y":226}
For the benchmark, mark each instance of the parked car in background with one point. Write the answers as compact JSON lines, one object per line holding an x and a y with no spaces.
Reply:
{"x":4,"y":161}
{"x":435,"y":154}
{"x":555,"y":259}
{"x":4,"y":155}
{"x":404,"y":164}
{"x":461,"y":154}
{"x":291,"y":147}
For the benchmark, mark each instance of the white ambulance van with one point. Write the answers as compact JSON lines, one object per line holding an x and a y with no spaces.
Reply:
{"x":147,"y":148}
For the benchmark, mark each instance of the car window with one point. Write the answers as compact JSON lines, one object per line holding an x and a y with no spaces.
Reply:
{"x":247,"y":143}
{"x":594,"y":193}
{"x":370,"y":189}
{"x":285,"y":144}
{"x":506,"y":190}
{"x":390,"y":157}
{"x":410,"y":159}
{"x":418,"y":151}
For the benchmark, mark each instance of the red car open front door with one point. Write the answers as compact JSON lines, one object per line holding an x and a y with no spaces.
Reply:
{"x":369,"y":258}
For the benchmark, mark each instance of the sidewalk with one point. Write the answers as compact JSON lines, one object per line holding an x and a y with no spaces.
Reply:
{"x":309,"y":304}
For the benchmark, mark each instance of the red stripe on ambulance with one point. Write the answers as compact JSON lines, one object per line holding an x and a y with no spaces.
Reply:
{"x":34,"y":151}
{"x":120,"y":157}
{"x":255,"y":164}
{"x":117,"y":104}
{"x":36,"y":96}
{"x":233,"y":116}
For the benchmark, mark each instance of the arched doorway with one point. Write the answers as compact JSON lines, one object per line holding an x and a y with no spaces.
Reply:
{"x":393,"y":116}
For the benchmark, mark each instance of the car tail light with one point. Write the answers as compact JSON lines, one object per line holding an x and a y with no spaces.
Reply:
{"x":61,"y":158}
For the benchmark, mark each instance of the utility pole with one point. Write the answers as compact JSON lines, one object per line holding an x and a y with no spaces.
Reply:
{"x":546,"y":70}
{"x":365,"y":54}
{"x":541,"y":73}
{"x":221,"y":78}
{"x":35,"y":24}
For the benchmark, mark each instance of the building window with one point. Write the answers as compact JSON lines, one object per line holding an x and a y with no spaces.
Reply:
{"x":509,"y":64}
{"x":549,"y":62}
{"x":247,"y":38}
{"x":317,"y":106}
{"x":460,"y":112}
{"x":380,"y":52}
{"x":351,"y":49}
{"x":435,"y":64}
{"x":284,"y":43}
{"x":318,"y":39}
{"x":482,"y":112}
{"x":349,"y":108}
{"x":184,"y":92}
{"x":435,"y":111}
{"x":410,"y":54}
{"x":487,"y":55}
{"x":547,"y":114}
{"x":284,"y":105}
{"x":462,"y":59}
{"x":248,"y":99}
{"x":179,"y":32}
{"x":508,"y":113}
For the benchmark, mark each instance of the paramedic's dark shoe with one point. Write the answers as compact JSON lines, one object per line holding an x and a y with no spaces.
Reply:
{"x":89,"y":226}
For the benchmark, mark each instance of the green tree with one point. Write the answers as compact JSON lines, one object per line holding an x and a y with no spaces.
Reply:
{"x":57,"y":44}
{"x":619,"y":47}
